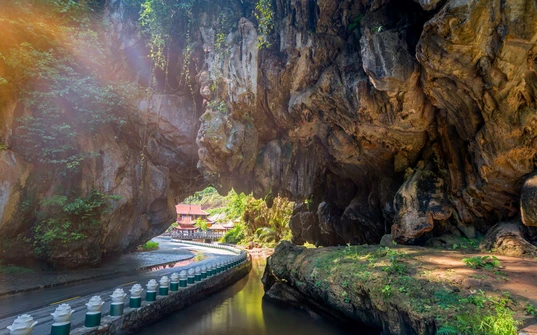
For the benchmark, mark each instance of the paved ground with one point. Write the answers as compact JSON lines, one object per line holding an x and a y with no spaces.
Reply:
{"x":40,"y":304}
{"x":168,"y":253}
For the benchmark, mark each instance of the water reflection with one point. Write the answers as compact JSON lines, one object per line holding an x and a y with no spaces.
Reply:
{"x":240,"y":310}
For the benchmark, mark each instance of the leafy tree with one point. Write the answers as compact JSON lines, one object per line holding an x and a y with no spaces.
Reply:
{"x":201,"y":224}
{"x":269,"y":224}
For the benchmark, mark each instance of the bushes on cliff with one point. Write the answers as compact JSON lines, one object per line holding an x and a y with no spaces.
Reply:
{"x":52,"y":57}
{"x":264,"y":13}
{"x":235,"y":235}
{"x":52,"y":62}
{"x":269,"y":224}
{"x":62,"y":221}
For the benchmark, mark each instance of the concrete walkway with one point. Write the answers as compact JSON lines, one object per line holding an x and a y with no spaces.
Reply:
{"x":168,"y":254}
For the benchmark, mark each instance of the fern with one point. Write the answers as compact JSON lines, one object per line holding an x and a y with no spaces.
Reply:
{"x":447,"y":330}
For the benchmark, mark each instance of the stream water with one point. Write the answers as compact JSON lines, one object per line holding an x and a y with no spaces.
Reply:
{"x":240,"y":310}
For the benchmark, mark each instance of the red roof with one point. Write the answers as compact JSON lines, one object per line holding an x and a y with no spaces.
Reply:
{"x":187,"y":220}
{"x":180,"y":227}
{"x":186,"y":209}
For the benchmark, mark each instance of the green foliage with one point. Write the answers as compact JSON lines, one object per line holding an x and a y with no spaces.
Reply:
{"x":201,"y":224}
{"x":387,"y":290}
{"x":150,"y":245}
{"x":156,"y":18}
{"x":447,"y":330}
{"x":530,"y":309}
{"x":482,"y":262}
{"x":264,"y":13}
{"x":3,"y":147}
{"x":268,"y":224}
{"x":356,"y":22}
{"x":52,"y":57}
{"x":219,"y":106}
{"x":63,"y":220}
{"x":235,"y":235}
{"x":232,"y":204}
{"x":256,"y":222}
{"x":199,"y":256}
{"x":491,"y":317}
{"x":14,"y":270}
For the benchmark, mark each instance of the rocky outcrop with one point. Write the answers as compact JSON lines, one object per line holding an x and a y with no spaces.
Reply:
{"x":416,"y":124}
{"x":420,"y":203}
{"x":293,"y":276}
{"x":143,"y":178}
{"x":509,"y":238}
{"x":424,"y":117}
{"x":528,"y":202}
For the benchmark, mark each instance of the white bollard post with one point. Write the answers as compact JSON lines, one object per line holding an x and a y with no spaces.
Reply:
{"x":164,"y":286}
{"x":62,"y":320}
{"x":191,"y":276}
{"x":93,"y":315}
{"x":183,"y":281}
{"x":197,"y":274}
{"x":118,"y":302}
{"x":174,"y":284}
{"x":135,"y":301}
{"x":151,"y":293}
{"x":203,"y":272}
{"x":22,"y":325}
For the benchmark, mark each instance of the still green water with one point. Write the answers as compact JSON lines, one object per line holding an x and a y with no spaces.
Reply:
{"x":240,"y":310}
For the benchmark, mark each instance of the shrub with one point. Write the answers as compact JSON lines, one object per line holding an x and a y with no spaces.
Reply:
{"x":482,"y":262}
{"x":264,"y":13}
{"x":65,"y":220}
{"x":150,"y":245}
{"x":235,"y":235}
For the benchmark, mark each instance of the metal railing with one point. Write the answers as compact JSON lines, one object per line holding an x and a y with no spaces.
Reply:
{"x":204,"y":235}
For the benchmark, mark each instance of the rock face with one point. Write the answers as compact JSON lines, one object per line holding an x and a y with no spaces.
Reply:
{"x":424,"y":120}
{"x":292,"y":276}
{"x":144,"y":180}
{"x":508,"y":238}
{"x":421,"y":120}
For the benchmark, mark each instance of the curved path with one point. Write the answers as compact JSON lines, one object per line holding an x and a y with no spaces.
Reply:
{"x":40,"y":304}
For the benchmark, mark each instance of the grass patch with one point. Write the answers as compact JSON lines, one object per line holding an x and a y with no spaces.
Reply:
{"x":199,"y":257}
{"x":482,"y":262}
{"x":14,"y":270}
{"x":395,"y":276}
{"x":150,"y":245}
{"x":489,"y":316}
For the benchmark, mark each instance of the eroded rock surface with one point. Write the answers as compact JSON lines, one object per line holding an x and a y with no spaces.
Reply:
{"x":419,"y":115}
{"x":508,"y":238}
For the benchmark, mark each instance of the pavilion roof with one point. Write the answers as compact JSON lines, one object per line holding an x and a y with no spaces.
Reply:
{"x":188,"y":209}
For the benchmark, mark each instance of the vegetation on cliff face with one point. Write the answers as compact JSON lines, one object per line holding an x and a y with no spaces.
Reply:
{"x":53,"y":62}
{"x":62,"y":222}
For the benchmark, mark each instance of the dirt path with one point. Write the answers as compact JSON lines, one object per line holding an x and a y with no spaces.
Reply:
{"x":515,"y":275}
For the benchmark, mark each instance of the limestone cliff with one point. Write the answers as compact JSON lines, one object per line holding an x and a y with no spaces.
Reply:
{"x":415,"y":118}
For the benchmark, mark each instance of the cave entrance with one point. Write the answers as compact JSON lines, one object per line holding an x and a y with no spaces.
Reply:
{"x":235,"y":218}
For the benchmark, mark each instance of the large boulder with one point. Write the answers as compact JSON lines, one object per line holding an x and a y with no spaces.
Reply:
{"x":507,"y":238}
{"x":528,"y":201}
{"x":420,"y":202}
